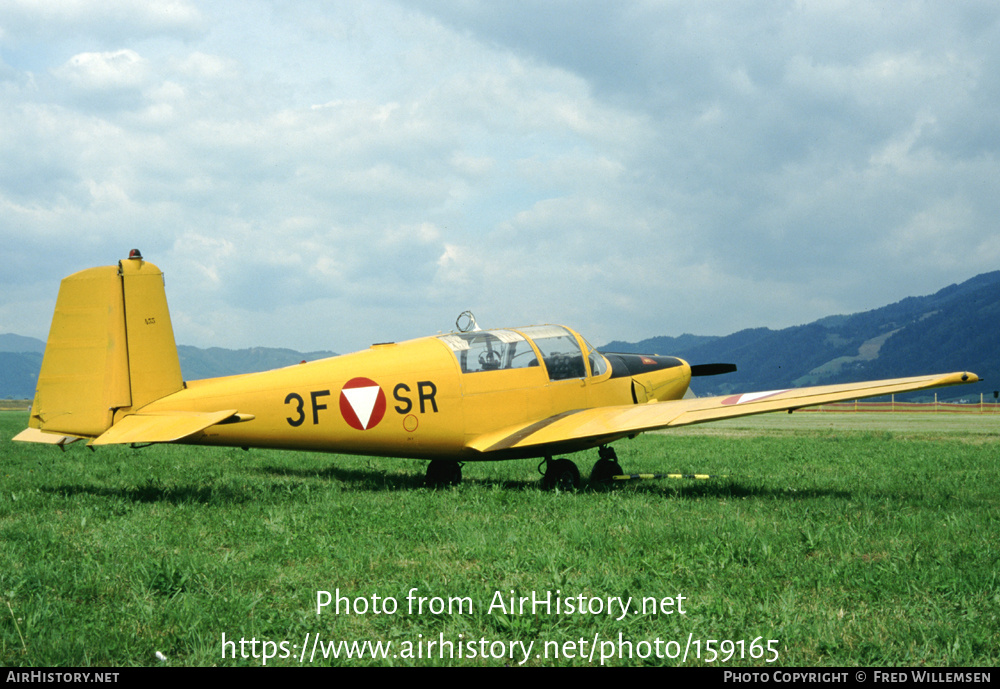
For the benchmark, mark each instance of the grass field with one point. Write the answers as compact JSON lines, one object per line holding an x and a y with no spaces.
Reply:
{"x":846,"y":539}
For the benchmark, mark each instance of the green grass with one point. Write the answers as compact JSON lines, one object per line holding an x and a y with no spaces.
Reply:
{"x":849,"y":542}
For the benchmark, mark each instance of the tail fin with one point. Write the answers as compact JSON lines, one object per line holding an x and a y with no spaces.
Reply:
{"x":110,"y":351}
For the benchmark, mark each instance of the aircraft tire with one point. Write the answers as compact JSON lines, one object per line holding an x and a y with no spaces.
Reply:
{"x":442,"y":473}
{"x":561,"y":474}
{"x":603,"y":470}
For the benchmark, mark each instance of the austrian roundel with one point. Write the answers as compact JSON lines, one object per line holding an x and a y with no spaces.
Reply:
{"x":362,"y":403}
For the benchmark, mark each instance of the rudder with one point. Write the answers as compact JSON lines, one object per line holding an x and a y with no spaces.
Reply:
{"x":154,"y":367}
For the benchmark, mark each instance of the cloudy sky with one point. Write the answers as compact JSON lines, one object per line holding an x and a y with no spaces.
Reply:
{"x":323,"y":175}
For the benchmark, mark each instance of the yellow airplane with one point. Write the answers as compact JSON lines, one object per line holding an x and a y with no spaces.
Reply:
{"x":111,"y":374}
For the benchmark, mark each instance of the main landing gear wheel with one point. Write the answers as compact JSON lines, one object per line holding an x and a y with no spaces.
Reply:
{"x":561,"y":474}
{"x":442,"y":473}
{"x":606,"y":467}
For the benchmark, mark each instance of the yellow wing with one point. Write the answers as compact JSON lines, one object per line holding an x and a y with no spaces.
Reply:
{"x":608,"y":423}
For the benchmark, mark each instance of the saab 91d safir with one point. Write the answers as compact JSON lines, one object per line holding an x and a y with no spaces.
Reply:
{"x":111,"y":374}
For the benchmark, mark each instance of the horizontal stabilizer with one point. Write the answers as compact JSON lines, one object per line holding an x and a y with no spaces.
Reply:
{"x":161,"y":427}
{"x":33,"y":435}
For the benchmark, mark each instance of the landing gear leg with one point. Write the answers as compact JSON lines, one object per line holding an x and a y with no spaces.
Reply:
{"x":442,"y":473}
{"x":606,"y":467}
{"x":560,"y":473}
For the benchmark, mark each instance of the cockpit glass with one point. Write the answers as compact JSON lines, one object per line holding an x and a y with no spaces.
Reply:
{"x":501,"y":350}
{"x":598,"y":364}
{"x":492,"y":350}
{"x":560,"y":351}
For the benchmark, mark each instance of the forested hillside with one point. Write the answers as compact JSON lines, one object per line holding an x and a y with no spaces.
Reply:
{"x":957,"y":328}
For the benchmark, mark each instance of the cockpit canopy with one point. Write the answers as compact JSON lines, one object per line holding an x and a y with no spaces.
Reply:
{"x":497,"y":350}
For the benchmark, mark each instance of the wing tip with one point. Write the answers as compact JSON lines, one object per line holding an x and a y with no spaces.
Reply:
{"x":961,"y":378}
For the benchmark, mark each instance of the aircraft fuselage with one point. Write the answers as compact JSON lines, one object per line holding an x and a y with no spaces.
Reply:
{"x":412,"y":399}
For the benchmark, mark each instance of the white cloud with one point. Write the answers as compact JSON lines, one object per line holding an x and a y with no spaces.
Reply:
{"x":110,"y":71}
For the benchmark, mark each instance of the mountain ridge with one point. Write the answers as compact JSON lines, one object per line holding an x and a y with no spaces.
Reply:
{"x":956,"y":328}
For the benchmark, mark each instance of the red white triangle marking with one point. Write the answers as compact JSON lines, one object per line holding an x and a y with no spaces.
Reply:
{"x":362,"y":401}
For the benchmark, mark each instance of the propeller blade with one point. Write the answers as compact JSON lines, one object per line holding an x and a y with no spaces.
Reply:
{"x":712,"y":369}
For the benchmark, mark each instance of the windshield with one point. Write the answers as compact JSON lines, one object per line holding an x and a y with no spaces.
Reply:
{"x":598,"y":364}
